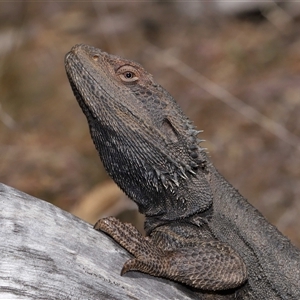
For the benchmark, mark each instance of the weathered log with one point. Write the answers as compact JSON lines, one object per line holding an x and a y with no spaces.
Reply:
{"x":47,"y":253}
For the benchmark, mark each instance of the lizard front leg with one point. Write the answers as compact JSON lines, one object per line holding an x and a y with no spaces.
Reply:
{"x":210,"y":266}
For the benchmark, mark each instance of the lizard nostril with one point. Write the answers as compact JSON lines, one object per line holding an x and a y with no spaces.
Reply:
{"x":95,"y":57}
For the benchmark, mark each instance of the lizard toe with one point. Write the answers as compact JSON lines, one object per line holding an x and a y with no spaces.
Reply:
{"x":132,"y":265}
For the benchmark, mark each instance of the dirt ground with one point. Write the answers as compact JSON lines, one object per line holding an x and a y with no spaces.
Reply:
{"x":237,"y":75}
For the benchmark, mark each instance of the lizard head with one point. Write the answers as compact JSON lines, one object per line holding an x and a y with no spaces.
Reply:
{"x":146,"y":143}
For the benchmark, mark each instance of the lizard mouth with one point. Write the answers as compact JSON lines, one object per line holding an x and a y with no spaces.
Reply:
{"x":70,"y":63}
{"x":74,"y":88}
{"x":77,"y":75}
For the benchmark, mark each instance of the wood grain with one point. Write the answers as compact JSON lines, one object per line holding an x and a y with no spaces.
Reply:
{"x":47,"y":253}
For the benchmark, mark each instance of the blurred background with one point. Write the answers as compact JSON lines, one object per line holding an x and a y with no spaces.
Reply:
{"x":234,"y":68}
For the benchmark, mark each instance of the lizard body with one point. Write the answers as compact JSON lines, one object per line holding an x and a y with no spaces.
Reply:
{"x":199,"y":230}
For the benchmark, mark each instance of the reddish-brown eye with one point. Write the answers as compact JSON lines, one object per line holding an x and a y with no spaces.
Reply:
{"x":128,"y":74}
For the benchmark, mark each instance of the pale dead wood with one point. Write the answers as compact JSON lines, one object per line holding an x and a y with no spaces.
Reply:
{"x":47,"y":253}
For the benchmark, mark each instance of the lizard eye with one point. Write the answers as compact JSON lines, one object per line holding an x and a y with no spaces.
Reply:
{"x":128,"y":74}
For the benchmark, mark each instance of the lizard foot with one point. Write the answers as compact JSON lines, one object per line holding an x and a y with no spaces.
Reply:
{"x":212,"y":265}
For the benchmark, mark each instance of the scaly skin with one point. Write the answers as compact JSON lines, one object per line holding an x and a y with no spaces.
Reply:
{"x":200,"y":230}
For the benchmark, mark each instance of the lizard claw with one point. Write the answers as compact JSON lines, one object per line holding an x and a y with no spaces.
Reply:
{"x":130,"y":265}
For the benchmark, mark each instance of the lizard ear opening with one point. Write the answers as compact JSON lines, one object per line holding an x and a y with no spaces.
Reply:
{"x":169,"y":131}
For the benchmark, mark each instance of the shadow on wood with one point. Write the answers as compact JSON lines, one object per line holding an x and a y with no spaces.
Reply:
{"x":47,"y":253}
